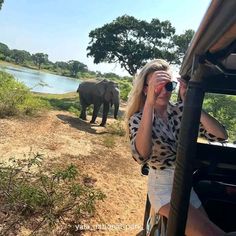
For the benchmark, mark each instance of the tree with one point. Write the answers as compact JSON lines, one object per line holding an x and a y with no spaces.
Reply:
{"x":4,"y":51}
{"x":223,"y":108}
{"x":39,"y":59}
{"x":62,"y":65}
{"x":1,"y":2}
{"x":131,"y":42}
{"x":76,"y":66}
{"x":181,"y":42}
{"x":19,"y":56}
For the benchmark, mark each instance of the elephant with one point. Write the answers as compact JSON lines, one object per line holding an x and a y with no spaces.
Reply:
{"x":97,"y":93}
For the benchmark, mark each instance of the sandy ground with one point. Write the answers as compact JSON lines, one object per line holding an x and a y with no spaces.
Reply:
{"x":63,"y":138}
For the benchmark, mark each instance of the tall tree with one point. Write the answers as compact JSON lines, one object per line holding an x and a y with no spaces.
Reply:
{"x":131,"y":42}
{"x":181,"y":43}
{"x":39,"y":59}
{"x":76,"y":66}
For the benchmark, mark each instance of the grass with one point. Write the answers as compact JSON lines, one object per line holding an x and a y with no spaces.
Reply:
{"x":67,"y":102}
{"x":109,"y":141}
{"x":116,"y":128}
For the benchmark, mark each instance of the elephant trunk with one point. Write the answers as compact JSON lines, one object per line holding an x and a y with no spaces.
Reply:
{"x":116,"y":109}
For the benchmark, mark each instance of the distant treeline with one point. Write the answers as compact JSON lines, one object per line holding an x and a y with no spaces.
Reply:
{"x":71,"y":68}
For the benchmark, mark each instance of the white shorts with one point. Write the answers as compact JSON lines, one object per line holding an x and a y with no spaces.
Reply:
{"x":160,"y":187}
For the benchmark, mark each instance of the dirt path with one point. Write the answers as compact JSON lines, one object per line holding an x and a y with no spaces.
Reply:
{"x":63,"y":139}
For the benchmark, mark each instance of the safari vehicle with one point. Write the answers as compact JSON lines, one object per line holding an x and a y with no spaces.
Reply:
{"x":209,"y":66}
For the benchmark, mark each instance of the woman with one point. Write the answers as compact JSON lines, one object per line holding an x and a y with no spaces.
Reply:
{"x":154,"y":125}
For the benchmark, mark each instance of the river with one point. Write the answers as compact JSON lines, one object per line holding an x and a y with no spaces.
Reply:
{"x":42,"y":82}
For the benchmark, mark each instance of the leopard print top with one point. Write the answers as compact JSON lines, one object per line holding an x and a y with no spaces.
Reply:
{"x":164,"y":137}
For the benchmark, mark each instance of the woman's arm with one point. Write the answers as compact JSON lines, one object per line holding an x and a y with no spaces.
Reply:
{"x":143,"y":141}
{"x":212,"y":126}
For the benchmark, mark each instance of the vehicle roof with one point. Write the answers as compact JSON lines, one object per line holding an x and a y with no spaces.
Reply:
{"x":214,"y":45}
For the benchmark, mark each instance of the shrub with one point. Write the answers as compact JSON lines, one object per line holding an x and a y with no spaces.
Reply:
{"x":27,"y":190}
{"x":74,"y":110}
{"x":116,"y":128}
{"x":125,"y":87}
{"x":16,"y":98}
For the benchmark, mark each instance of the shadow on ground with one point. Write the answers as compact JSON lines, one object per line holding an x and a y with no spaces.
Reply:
{"x":81,"y":124}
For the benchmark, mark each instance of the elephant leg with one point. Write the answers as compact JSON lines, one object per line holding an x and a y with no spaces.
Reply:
{"x":84,"y":106}
{"x":105,"y":113}
{"x":83,"y":113}
{"x":96,"y":108}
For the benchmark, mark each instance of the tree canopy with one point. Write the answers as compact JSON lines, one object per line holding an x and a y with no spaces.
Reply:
{"x":181,"y":43}
{"x":4,"y":51}
{"x":39,"y":59}
{"x":76,"y":66}
{"x":131,"y":42}
{"x":19,"y":56}
{"x":1,"y":2}
{"x":223,"y":107}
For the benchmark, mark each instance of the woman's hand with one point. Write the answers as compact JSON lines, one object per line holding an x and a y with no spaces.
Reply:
{"x":182,"y":90}
{"x":156,"y":81}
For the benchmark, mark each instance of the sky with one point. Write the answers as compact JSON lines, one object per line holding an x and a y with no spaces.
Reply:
{"x":60,"y":28}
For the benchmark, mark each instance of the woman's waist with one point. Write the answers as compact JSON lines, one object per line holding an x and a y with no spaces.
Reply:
{"x":161,"y":177}
{"x":166,"y":171}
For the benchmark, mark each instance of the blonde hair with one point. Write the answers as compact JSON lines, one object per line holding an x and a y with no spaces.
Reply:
{"x":136,"y":97}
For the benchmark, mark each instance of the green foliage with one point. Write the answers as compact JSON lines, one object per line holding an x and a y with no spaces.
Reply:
{"x":223,"y":108}
{"x":19,"y":56}
{"x":15,"y":98}
{"x":1,"y":2}
{"x":109,"y":141}
{"x":66,"y":102}
{"x":181,"y":42}
{"x":90,"y":110}
{"x":124,"y":84}
{"x":32,"y":105}
{"x":116,"y":128}
{"x":87,"y":75}
{"x":74,"y":110}
{"x":27,"y":190}
{"x":125,"y":87}
{"x":4,"y":51}
{"x":76,"y":66}
{"x":174,"y":97}
{"x":39,"y":59}
{"x":132,"y":42}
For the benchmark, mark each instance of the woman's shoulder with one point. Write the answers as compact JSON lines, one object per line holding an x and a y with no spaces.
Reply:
{"x":136,"y":116}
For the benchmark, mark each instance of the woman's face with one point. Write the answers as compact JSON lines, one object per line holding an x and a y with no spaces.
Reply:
{"x":164,"y":96}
